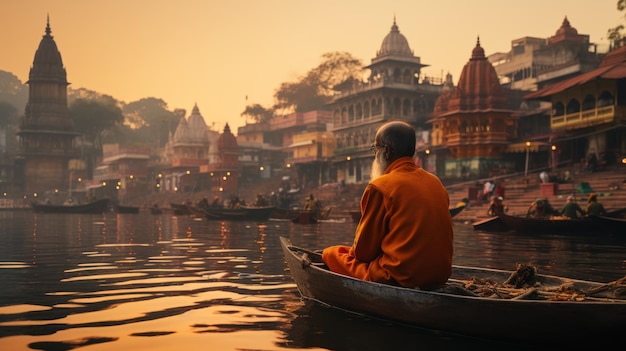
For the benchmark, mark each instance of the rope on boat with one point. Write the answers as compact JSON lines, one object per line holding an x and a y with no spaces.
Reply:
{"x":523,"y":285}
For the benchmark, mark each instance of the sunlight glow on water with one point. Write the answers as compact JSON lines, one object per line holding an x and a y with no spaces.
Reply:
{"x":140,"y":282}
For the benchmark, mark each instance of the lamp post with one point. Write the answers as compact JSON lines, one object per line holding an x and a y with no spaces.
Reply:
{"x":527,"y":154}
{"x":554,"y":163}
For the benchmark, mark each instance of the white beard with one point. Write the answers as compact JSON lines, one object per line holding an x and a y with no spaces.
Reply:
{"x":378,"y":167}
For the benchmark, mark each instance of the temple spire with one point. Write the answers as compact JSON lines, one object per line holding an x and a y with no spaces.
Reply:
{"x":48,"y":30}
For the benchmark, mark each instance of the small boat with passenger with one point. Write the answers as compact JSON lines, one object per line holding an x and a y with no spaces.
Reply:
{"x":520,"y":305}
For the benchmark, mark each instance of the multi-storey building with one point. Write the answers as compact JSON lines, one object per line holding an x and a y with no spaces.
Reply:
{"x":395,"y":89}
{"x":588,"y":113}
{"x":123,"y":174}
{"x":285,"y":146}
{"x":535,"y":62}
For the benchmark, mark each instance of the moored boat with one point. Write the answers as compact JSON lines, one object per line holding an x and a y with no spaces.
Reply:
{"x":478,"y":302}
{"x":356,"y":214}
{"x":126,"y":209}
{"x":245,"y":213}
{"x":180,"y":209}
{"x":94,"y":207}
{"x":593,"y":225}
{"x":491,"y":224}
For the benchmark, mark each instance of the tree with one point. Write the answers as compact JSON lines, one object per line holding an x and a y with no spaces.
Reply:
{"x":92,"y":118}
{"x":317,"y":87}
{"x":313,"y":90}
{"x":8,"y":114}
{"x":615,"y":34}
{"x":151,"y":121}
{"x":258,"y":113}
{"x":13,"y":91}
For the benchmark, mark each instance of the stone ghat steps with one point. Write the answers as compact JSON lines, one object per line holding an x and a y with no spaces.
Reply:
{"x":609,"y":185}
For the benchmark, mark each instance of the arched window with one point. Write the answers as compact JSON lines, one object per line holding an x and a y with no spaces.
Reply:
{"x":558,"y":109}
{"x":605,"y":99}
{"x":406,"y":77}
{"x":397,"y":75}
{"x":406,"y":108}
{"x":573,"y":106}
{"x":589,"y":103}
{"x":366,"y":109}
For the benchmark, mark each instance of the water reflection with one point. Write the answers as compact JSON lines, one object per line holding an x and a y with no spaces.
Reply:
{"x":164,"y":282}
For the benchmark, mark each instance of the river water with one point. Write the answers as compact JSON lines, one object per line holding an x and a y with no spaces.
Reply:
{"x":163,"y":282}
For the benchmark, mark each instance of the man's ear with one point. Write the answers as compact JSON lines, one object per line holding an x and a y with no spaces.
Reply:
{"x":387,"y":153}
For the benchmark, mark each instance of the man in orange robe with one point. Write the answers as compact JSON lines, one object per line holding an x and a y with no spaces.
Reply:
{"x":405,"y":233}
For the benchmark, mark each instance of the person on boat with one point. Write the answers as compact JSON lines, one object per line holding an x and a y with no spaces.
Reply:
{"x":216,"y":203}
{"x":313,"y":205}
{"x":235,"y":202}
{"x":261,"y":201}
{"x":399,"y":240}
{"x":536,"y":209}
{"x":594,"y":208}
{"x":549,"y":210}
{"x":204,"y":203}
{"x":496,"y":206}
{"x":571,"y":209}
{"x":541,"y":208}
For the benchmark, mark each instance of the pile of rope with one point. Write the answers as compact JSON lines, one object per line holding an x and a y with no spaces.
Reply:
{"x":522,"y":284}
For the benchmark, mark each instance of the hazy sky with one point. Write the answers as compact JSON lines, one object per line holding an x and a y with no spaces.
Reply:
{"x":215,"y":53}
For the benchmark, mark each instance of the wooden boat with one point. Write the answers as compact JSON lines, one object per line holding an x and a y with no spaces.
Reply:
{"x":180,"y":209}
{"x":97,"y":206}
{"x":356,"y":214}
{"x":593,"y":225}
{"x":126,"y":209}
{"x":305,"y":217}
{"x":156,"y":210}
{"x":552,"y":310}
{"x":300,"y":216}
{"x":242,"y":213}
{"x":491,"y":224}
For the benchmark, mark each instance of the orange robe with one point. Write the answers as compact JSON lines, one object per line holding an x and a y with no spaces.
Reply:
{"x":405,"y":234}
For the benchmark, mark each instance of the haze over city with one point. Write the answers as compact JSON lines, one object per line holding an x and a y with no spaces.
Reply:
{"x":225,"y":55}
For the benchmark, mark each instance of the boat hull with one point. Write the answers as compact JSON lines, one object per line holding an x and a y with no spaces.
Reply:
{"x":126,"y":209}
{"x":356,"y":214}
{"x":594,"y":225}
{"x":242,"y":213}
{"x":504,"y":319}
{"x":95,"y":207}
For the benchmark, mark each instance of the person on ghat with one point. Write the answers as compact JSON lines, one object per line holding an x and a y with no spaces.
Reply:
{"x":405,"y":234}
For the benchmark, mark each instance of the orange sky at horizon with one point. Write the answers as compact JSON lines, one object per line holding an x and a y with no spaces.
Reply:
{"x":216,"y":53}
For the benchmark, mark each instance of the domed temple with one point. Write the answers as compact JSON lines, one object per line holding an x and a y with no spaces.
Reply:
{"x":395,"y":89}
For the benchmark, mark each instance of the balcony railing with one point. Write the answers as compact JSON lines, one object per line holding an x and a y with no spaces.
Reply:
{"x":581,"y":119}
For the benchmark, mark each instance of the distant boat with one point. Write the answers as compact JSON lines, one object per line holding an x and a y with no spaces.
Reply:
{"x":126,"y":209}
{"x":180,"y":209}
{"x":356,"y":214}
{"x":95,"y":207}
{"x":243,"y":213}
